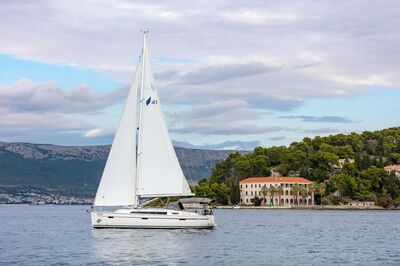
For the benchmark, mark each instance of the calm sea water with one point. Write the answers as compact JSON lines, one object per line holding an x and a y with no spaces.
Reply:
{"x":45,"y":235}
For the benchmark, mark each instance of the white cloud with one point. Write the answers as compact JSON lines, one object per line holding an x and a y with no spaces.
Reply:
{"x":99,"y":132}
{"x":27,"y":96}
{"x":245,"y":15}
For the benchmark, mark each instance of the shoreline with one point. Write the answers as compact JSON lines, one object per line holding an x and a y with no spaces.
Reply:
{"x":316,"y":207}
{"x":227,"y":207}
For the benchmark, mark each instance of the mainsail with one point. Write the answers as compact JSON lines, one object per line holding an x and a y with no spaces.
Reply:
{"x":159,"y":171}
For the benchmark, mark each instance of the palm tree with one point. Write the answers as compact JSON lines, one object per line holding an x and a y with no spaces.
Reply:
{"x":272,"y":192}
{"x":294,"y":192}
{"x":304,"y":193}
{"x":321,"y":190}
{"x":312,"y":188}
{"x":279,"y":191}
{"x":265,"y":192}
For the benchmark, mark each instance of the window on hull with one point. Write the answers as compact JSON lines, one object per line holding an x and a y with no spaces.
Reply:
{"x":163,"y":213}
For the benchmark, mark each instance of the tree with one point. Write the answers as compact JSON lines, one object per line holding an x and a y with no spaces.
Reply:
{"x":257,"y":201}
{"x":279,"y":192}
{"x":321,"y":190}
{"x":272,"y":192}
{"x":294,"y":191}
{"x":304,"y":193}
{"x":311,"y":191}
{"x":345,"y":183}
{"x":265,"y":192}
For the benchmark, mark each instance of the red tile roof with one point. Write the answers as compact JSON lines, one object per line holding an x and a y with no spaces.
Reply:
{"x":270,"y":179}
{"x":394,"y":167}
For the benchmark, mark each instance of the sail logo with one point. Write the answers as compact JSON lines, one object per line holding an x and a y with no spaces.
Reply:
{"x":149,"y":101}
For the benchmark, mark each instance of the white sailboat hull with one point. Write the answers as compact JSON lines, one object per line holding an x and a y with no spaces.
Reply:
{"x":151,"y":218}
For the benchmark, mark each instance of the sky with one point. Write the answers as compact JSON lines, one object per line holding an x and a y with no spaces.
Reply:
{"x":230,"y":74}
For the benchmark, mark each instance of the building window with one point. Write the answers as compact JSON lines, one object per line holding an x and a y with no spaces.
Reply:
{"x":241,"y":186}
{"x":241,"y":200}
{"x":246,"y":193}
{"x":286,"y":192}
{"x":247,"y":200}
{"x":246,"y":185}
{"x":252,"y":193}
{"x":251,"y":185}
{"x":259,"y":185}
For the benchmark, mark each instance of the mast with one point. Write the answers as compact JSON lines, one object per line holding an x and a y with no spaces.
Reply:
{"x":139,"y":150}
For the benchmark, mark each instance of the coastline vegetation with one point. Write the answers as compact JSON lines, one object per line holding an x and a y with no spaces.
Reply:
{"x":361,"y":177}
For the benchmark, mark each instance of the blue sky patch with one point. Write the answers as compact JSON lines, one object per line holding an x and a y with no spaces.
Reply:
{"x":13,"y":69}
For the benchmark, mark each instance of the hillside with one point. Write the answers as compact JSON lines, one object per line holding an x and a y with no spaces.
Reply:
{"x":360,"y":177}
{"x":76,"y":170}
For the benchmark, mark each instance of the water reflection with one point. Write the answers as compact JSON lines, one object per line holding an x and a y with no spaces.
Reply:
{"x":138,"y":246}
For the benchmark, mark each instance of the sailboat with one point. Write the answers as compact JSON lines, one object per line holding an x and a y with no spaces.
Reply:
{"x":142,"y":163}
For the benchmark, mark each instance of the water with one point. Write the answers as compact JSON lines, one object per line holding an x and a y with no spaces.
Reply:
{"x":45,"y":235}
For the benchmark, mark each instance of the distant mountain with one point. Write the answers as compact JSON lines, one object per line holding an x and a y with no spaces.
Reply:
{"x":76,"y":170}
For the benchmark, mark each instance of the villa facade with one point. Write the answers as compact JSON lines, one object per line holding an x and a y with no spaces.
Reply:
{"x":395,"y":168}
{"x":253,"y":187}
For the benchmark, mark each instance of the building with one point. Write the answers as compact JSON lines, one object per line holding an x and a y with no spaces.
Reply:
{"x":361,"y":203}
{"x":253,"y":187}
{"x":341,"y":162}
{"x":393,"y":168}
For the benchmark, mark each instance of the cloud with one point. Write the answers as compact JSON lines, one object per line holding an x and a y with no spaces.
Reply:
{"x":277,"y":138}
{"x":27,"y":96}
{"x":319,"y":119}
{"x":99,"y":132}
{"x":249,"y":16}
{"x":273,"y":55}
{"x":224,"y":72}
{"x":209,"y":128}
{"x":231,"y":117}
{"x":43,"y":112}
{"x":226,"y":145}
{"x":11,"y":121}
{"x":325,"y":130}
{"x":41,"y":127}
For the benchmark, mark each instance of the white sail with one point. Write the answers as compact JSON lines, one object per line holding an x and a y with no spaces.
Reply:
{"x":159,"y":172}
{"x":117,"y":185}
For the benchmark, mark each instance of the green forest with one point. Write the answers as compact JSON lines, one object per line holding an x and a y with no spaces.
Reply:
{"x":317,"y":160}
